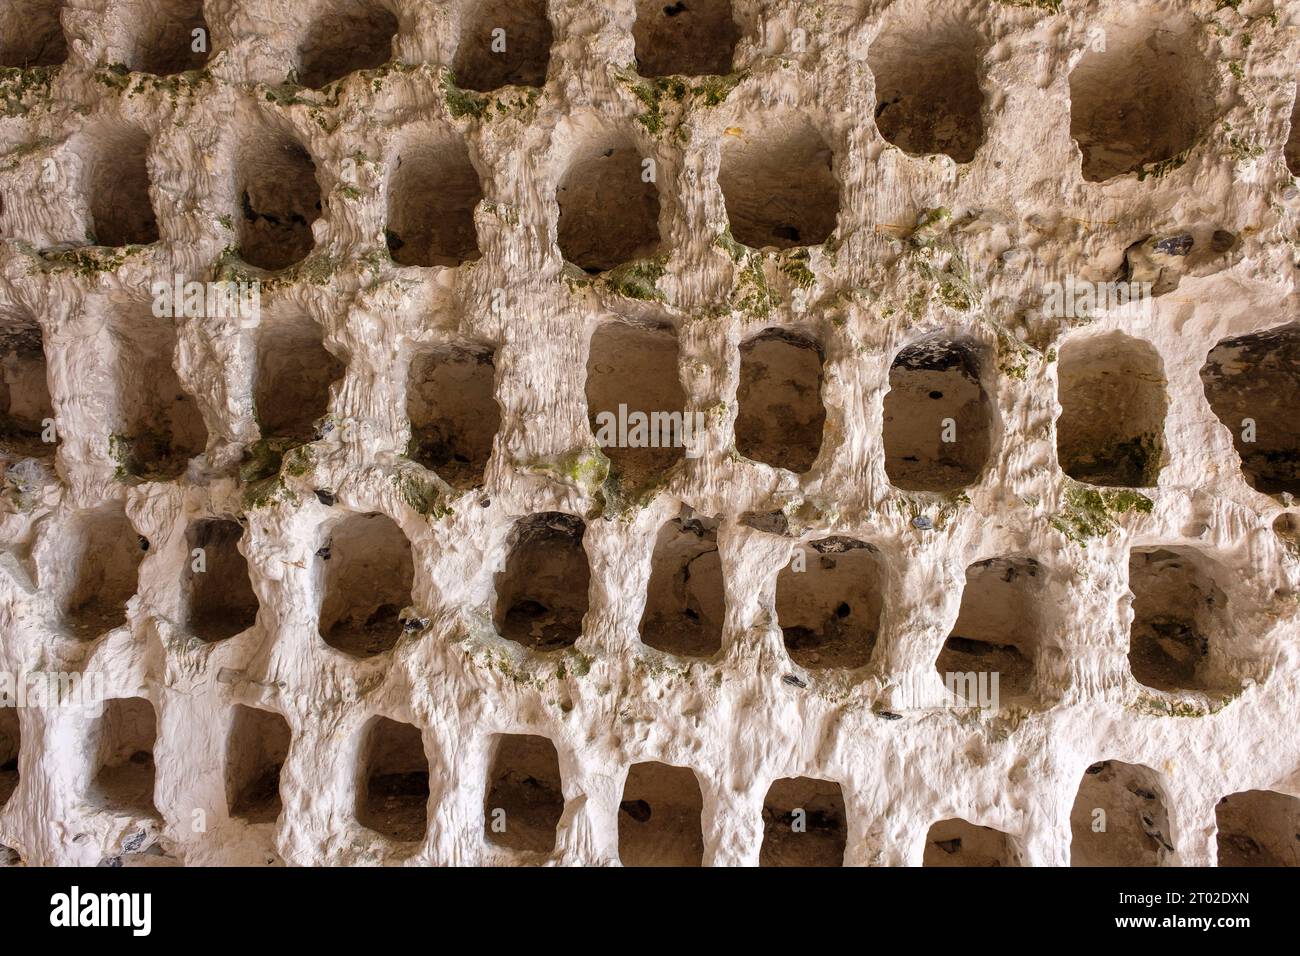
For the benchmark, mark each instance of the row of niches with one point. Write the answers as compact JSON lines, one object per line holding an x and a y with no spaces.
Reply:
{"x":500,"y":42}
{"x":940,"y":426}
{"x":154,"y":425}
{"x":778,"y":185}
{"x":939,"y":422}
{"x":1120,"y":815}
{"x":777,"y":180}
{"x":1139,"y":94}
{"x":830,"y":599}
{"x":433,"y":192}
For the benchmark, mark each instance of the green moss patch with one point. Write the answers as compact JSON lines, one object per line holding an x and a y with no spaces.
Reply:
{"x":1092,"y":512}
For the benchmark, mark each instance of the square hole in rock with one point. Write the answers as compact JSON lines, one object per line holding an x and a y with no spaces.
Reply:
{"x":781,"y":416}
{"x":31,"y":33}
{"x":393,"y":783}
{"x":927,"y":62}
{"x":686,"y":601}
{"x":1287,"y":527}
{"x":1253,"y":385}
{"x":937,"y":417}
{"x":1119,"y":818}
{"x":279,"y":199}
{"x":255,"y":753}
{"x":366,"y":573}
{"x":689,"y":37}
{"x":1292,"y":149}
{"x":10,"y":745}
{"x":525,"y":797}
{"x":636,"y":404}
{"x":778,"y":182}
{"x":991,"y":655}
{"x":1181,"y":635}
{"x":451,"y":404}
{"x":502,"y":43}
{"x":542,"y":593}
{"x":958,"y":843}
{"x":433,"y":190}
{"x":158,"y":426}
{"x":828,"y":602}
{"x":123,"y":738}
{"x":25,"y":404}
{"x":173,"y":36}
{"x":659,"y":819}
{"x":104,"y":551}
{"x":1112,"y":424}
{"x":609,"y":213}
{"x":115,"y":176}
{"x":1258,"y":828}
{"x":221,"y":599}
{"x":294,"y":373}
{"x":1143,"y":96}
{"x":804,"y":823}
{"x":345,"y":36}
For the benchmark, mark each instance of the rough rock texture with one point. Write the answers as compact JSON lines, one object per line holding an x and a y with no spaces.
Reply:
{"x":394,"y":465}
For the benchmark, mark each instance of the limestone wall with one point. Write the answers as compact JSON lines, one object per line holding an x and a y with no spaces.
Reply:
{"x":987,"y":312}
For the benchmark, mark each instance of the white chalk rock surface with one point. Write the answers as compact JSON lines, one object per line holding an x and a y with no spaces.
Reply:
{"x":711,"y":432}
